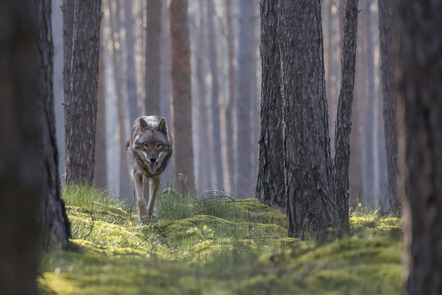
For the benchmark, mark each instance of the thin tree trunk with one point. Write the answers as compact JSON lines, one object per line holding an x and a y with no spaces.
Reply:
{"x":122,"y":104}
{"x":205,"y":142}
{"x":270,"y":184}
{"x":215,"y":114}
{"x":389,"y":110}
{"x":307,"y":162}
{"x":230,"y":105}
{"x":153,"y":37}
{"x":343,"y":120}
{"x":100,"y":170}
{"x":243,"y":159}
{"x":131,"y":77}
{"x":181,"y":99}
{"x":418,"y":73}
{"x":83,"y":36}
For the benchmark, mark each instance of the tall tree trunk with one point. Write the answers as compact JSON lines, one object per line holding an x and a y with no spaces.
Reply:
{"x":100,"y":170}
{"x":153,"y":45}
{"x":122,"y":104}
{"x":131,"y":77}
{"x":418,"y":73}
{"x":205,"y":146}
{"x":168,"y":176}
{"x":244,"y":97}
{"x":307,"y":162}
{"x":270,"y":184}
{"x":181,"y":99}
{"x":343,"y":120}
{"x":20,"y":177}
{"x":215,"y":114}
{"x":82,"y":34}
{"x":370,"y":179}
{"x":230,"y":105}
{"x":389,"y":110}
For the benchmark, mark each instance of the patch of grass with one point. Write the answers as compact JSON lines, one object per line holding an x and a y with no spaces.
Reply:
{"x":215,"y":246}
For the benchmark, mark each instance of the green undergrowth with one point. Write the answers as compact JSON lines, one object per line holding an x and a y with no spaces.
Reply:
{"x":214,"y":246}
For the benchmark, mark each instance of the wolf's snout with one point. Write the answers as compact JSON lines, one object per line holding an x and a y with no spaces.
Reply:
{"x":153,"y":160}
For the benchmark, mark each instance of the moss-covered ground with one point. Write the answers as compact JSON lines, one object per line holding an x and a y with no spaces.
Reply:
{"x":215,"y":246}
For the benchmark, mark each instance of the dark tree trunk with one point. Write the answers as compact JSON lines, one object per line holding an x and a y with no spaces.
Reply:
{"x":343,"y":120}
{"x":20,"y":164}
{"x":181,"y":98}
{"x":389,"y":110}
{"x":100,"y":170}
{"x":307,"y":162}
{"x":82,"y":34}
{"x":244,"y":97}
{"x":54,"y":224}
{"x":153,"y":61}
{"x":418,"y":77}
{"x":230,"y":105}
{"x":215,"y":114}
{"x":270,"y":184}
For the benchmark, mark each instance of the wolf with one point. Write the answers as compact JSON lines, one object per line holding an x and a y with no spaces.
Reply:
{"x":150,"y":149}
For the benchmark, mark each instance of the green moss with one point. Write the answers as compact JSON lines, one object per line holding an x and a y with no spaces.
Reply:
{"x":215,"y":246}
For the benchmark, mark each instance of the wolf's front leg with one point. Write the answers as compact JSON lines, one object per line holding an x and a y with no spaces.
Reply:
{"x":141,"y":202}
{"x":154,"y":184}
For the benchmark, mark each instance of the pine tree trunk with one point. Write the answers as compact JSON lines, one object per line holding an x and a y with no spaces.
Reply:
{"x":215,"y":114}
{"x":131,"y":78}
{"x":307,"y":162}
{"x":181,"y":98}
{"x":100,"y":170}
{"x":153,"y":45}
{"x":20,"y":177}
{"x":244,"y":97}
{"x":418,"y":82}
{"x":270,"y":184}
{"x":205,"y":143}
{"x":230,"y":105}
{"x":389,"y":110}
{"x":343,"y":120}
{"x":82,"y":34}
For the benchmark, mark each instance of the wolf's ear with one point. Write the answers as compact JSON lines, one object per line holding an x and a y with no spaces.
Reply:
{"x":162,"y":126}
{"x":143,"y":124}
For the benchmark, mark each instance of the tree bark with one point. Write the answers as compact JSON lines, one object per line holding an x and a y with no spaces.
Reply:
{"x":100,"y":170}
{"x":343,"y":120}
{"x":307,"y":162}
{"x":131,"y":78}
{"x":82,"y":34}
{"x":244,"y":97}
{"x":389,"y":109}
{"x":270,"y":184}
{"x":418,"y":72}
{"x":230,"y":105}
{"x":215,"y":114}
{"x":20,"y":177}
{"x":153,"y":61}
{"x":181,"y":98}
{"x":205,"y":146}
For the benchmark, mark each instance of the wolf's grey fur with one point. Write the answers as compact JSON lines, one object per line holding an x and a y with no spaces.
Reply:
{"x":150,"y":149}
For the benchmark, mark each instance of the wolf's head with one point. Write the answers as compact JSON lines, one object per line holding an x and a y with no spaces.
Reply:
{"x":151,"y":142}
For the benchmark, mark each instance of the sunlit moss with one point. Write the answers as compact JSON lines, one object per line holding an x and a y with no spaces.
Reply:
{"x":215,"y":246}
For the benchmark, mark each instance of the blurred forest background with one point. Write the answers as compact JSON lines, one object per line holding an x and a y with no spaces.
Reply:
{"x":224,"y":38}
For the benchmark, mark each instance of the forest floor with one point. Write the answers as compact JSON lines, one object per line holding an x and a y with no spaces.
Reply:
{"x":215,"y":246}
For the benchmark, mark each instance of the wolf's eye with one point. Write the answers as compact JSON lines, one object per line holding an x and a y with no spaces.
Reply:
{"x":159,"y":145}
{"x":146,"y":144}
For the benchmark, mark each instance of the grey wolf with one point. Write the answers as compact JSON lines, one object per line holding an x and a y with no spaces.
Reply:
{"x":150,"y":149}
